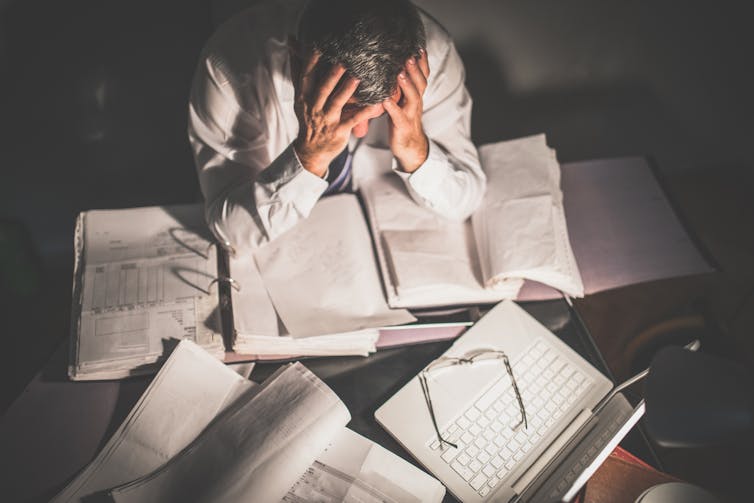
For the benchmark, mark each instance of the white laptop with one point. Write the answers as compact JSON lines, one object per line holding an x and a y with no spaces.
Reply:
{"x":573,"y":417}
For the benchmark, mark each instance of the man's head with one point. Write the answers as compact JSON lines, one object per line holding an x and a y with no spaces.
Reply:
{"x":371,"y":39}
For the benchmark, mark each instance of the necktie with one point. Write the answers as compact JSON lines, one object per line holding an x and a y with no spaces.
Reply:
{"x":339,"y":175}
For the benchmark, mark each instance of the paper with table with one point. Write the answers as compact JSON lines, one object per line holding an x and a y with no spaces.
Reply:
{"x":140,"y":274}
{"x":282,"y":440}
{"x":355,"y":469}
{"x":519,"y":232}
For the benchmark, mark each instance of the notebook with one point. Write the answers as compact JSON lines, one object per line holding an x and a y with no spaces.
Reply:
{"x":518,"y":233}
{"x":493,"y":448}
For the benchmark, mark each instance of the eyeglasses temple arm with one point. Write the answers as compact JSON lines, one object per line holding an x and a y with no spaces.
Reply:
{"x":516,"y":391}
{"x":428,"y":400}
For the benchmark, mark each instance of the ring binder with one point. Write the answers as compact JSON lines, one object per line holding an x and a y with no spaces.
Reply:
{"x":225,"y":279}
{"x":227,"y":245}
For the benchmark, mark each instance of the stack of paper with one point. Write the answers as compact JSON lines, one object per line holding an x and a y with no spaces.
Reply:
{"x":141,"y":277}
{"x":321,"y":280}
{"x":261,"y":334}
{"x":521,"y":228}
{"x":519,"y":232}
{"x":202,"y":433}
{"x":163,"y":422}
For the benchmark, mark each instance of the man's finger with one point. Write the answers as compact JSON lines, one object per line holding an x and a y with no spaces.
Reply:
{"x":363,"y":114}
{"x":395,"y":112}
{"x":342,"y":94}
{"x":307,"y":73}
{"x":326,"y":87}
{"x":311,"y":58}
{"x":424,"y":63}
{"x":411,"y":96}
{"x":416,"y":75}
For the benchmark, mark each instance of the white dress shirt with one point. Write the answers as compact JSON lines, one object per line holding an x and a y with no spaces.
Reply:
{"x":242,"y":125}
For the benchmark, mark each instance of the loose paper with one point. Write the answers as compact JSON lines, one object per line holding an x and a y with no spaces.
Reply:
{"x":321,"y":274}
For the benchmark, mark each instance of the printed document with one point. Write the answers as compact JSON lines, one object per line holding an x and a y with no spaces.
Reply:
{"x":146,"y":273}
{"x":163,"y":422}
{"x":203,"y":433}
{"x":355,"y":469}
{"x":321,"y":274}
{"x":255,"y":450}
{"x":519,"y":232}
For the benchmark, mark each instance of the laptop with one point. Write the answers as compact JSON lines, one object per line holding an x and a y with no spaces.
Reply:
{"x":539,"y":440}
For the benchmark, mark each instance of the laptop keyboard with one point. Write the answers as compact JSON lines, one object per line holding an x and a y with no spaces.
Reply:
{"x":490,"y":445}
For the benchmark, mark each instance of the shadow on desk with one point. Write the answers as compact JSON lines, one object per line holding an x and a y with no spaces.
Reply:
{"x":56,"y":426}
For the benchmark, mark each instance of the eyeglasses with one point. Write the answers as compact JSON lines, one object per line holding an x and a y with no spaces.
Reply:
{"x":474,"y":357}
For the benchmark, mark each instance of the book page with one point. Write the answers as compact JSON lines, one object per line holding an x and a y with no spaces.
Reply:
{"x":355,"y":469}
{"x":258,"y":331}
{"x":163,"y":422}
{"x":145,"y":279}
{"x":188,"y":393}
{"x":255,"y":451}
{"x":321,"y":274}
{"x":520,"y":228}
{"x":253,"y":312}
{"x":426,"y":260}
{"x":436,"y":267}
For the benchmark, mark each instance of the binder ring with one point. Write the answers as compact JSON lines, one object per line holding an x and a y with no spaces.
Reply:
{"x":225,"y":245}
{"x":223,"y":242}
{"x":222,"y":279}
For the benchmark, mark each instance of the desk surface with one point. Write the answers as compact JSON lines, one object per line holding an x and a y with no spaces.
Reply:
{"x":55,"y":427}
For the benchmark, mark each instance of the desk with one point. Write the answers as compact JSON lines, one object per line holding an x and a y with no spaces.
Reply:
{"x":55,"y":427}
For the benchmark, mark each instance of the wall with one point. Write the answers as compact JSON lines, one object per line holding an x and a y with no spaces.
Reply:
{"x":94,"y":92}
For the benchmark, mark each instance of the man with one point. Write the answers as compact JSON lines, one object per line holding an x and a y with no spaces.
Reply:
{"x":295,"y":100}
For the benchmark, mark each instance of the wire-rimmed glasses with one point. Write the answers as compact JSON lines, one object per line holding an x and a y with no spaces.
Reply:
{"x":473,"y":357}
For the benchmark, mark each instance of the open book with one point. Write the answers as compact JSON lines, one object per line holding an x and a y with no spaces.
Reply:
{"x":519,"y":232}
{"x":200,"y":432}
{"x":144,"y":276}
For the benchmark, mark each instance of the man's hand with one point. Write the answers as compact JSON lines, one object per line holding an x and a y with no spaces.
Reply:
{"x":408,"y":142}
{"x":324,"y":128}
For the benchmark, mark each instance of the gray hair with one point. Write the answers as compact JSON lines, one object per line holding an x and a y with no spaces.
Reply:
{"x":372,"y":39}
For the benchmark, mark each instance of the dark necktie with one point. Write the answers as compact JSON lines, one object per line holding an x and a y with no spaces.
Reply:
{"x":339,"y":175}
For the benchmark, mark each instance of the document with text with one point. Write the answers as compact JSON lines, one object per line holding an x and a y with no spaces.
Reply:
{"x":142,"y":278}
{"x":519,"y":232}
{"x":201,"y":432}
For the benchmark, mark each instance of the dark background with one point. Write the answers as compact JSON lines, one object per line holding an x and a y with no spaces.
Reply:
{"x":93,"y":111}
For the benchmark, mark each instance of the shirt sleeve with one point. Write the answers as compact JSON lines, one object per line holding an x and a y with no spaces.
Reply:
{"x":250,"y":197}
{"x":451,"y":181}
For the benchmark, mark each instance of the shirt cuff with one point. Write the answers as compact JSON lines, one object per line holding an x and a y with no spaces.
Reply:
{"x":286,"y":181}
{"x":304,"y":188}
{"x":327,"y":170}
{"x":427,"y":178}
